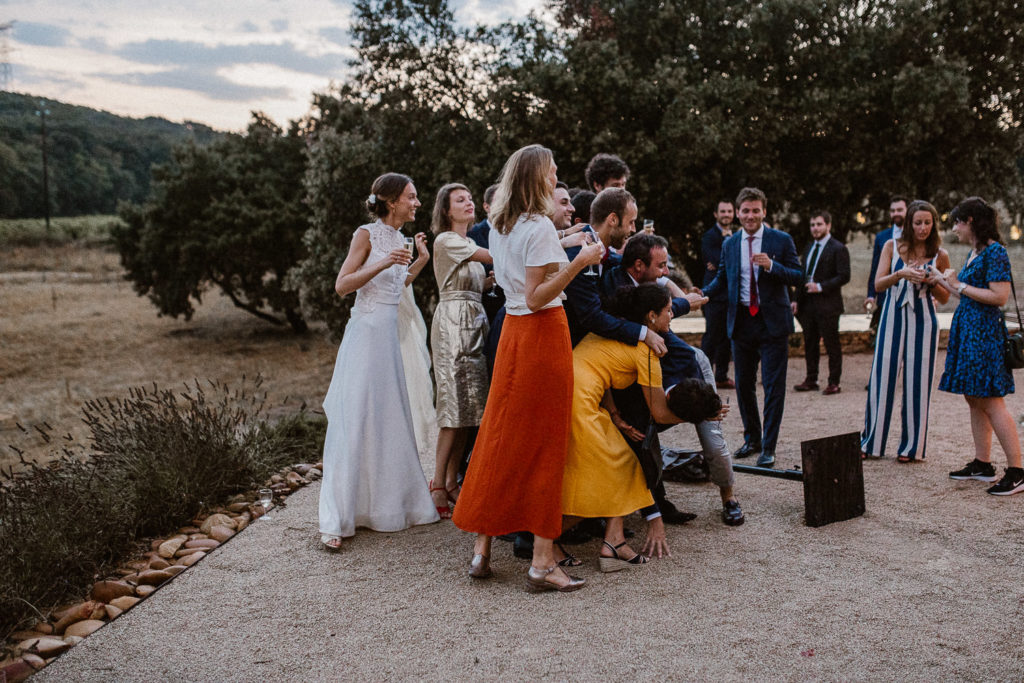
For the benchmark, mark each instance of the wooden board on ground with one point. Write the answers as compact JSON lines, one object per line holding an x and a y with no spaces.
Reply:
{"x":833,"y":479}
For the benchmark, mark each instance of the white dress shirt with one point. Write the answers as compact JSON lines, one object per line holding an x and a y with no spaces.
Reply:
{"x":745,"y":266}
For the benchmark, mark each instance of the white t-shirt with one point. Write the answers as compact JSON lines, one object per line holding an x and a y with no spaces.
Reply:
{"x":531,"y":242}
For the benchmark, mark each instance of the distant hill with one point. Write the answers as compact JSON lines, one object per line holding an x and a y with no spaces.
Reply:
{"x":96,"y":158}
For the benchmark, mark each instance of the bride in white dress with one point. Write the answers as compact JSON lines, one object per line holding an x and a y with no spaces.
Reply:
{"x":372,"y":473}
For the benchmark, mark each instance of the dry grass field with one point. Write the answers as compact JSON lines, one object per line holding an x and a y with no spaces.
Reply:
{"x":74,"y":330}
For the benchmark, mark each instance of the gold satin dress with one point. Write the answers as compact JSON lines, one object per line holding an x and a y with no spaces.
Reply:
{"x":458,"y":333}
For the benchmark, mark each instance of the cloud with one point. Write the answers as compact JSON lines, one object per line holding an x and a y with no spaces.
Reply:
{"x":339,"y":36}
{"x":279,"y":25}
{"x":26,"y":75}
{"x":285,"y":55}
{"x":201,"y":79}
{"x":248,"y":27}
{"x":45,"y":35}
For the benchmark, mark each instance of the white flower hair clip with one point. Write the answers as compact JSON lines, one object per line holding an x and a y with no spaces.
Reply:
{"x":372,"y":199}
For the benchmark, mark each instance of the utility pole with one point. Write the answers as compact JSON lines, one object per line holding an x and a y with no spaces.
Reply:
{"x":5,"y":55}
{"x":42,"y":113}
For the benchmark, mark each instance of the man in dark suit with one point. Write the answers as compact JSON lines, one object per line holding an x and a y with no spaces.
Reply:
{"x":757,"y":268}
{"x":897,"y":213}
{"x":613,"y":219}
{"x":715,"y":342}
{"x":645,"y":259}
{"x":819,"y":302}
{"x":480,"y":233}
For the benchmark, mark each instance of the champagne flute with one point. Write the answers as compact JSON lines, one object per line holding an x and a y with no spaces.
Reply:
{"x":266,"y":498}
{"x":649,"y":226}
{"x":410,"y":246}
{"x":591,"y":238}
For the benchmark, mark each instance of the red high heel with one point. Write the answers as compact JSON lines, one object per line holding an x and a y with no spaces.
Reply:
{"x":443,"y":511}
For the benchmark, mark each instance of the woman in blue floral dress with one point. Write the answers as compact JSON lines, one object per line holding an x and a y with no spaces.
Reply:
{"x":974,"y":355}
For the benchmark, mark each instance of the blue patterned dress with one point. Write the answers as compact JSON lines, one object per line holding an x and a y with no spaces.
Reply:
{"x":974,"y":355}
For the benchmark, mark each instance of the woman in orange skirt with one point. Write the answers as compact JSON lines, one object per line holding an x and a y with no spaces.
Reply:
{"x":514,"y":479}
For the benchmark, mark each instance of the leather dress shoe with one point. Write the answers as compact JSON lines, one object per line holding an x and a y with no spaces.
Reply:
{"x":831,"y":389}
{"x":732,"y":513}
{"x":522,"y":547}
{"x":673,"y":515}
{"x":746,"y":450}
{"x":806,"y":385}
{"x":726,"y":384}
{"x":766,"y":459}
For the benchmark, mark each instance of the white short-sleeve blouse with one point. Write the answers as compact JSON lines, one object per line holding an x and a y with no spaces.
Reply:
{"x":531,"y":242}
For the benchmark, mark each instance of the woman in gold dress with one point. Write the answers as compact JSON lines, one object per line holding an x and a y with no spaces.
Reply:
{"x":457,"y":337}
{"x":602,"y":476}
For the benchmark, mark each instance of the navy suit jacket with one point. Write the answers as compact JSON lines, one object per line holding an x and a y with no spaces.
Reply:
{"x":480,"y":233}
{"x":711,"y":252}
{"x":615,"y":278}
{"x":772,"y":287}
{"x":876,"y":254}
{"x":585,"y":312}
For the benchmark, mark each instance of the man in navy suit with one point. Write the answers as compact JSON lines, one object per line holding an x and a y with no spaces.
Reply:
{"x":897,"y":213}
{"x":819,"y":302}
{"x":645,"y":259}
{"x":715,"y":342}
{"x":480,"y":233}
{"x":757,"y":268}
{"x":613,"y":219}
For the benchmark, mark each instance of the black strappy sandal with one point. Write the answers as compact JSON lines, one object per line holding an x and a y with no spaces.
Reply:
{"x":614,"y":564}
{"x":569,"y":560}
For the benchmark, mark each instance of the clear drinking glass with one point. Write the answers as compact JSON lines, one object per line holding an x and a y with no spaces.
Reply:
{"x":266,"y":498}
{"x":410,"y":246}
{"x":591,"y":239}
{"x":649,"y":226}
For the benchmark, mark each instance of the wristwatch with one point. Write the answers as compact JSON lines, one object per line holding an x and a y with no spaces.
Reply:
{"x":960,"y":288}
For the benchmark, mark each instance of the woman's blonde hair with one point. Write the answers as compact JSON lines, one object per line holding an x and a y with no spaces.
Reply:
{"x":440,"y":221}
{"x":523,"y":188}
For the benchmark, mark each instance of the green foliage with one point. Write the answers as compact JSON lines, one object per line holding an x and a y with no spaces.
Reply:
{"x":822,"y":103}
{"x":228,"y":215}
{"x":96,"y":159}
{"x":82,"y":230}
{"x":157,"y":457}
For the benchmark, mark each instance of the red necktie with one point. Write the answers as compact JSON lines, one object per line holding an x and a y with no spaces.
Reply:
{"x":754,"y":308}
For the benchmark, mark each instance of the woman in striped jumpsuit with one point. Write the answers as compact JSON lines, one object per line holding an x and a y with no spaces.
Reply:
{"x":908,"y":335}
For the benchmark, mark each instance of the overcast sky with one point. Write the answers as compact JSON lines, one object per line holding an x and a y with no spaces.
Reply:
{"x":212,"y":61}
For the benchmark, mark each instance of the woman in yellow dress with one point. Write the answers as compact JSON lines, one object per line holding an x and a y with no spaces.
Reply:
{"x":602,"y":476}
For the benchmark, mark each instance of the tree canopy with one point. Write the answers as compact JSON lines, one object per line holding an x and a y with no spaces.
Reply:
{"x":821,"y":103}
{"x":230,"y":215}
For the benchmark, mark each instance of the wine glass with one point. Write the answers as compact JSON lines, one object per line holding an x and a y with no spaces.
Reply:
{"x":591,"y":238}
{"x":410,"y":246}
{"x":869,"y":306}
{"x":649,"y":226}
{"x":266,"y":498}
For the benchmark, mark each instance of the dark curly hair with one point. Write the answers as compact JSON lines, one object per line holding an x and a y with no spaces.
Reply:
{"x":692,"y":400}
{"x":604,"y":167}
{"x":983,"y":220}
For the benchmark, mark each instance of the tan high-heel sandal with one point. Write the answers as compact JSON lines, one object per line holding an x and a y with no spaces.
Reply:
{"x":537,"y":581}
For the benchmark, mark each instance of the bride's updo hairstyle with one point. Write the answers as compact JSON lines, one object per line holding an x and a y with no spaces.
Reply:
{"x":634,"y":303}
{"x":386,"y":188}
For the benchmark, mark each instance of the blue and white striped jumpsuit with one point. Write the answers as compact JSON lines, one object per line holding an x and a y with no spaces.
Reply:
{"x":908,"y":339}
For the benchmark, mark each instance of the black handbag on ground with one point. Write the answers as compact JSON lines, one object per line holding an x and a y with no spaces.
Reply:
{"x":649,"y":453}
{"x":1013,"y":350}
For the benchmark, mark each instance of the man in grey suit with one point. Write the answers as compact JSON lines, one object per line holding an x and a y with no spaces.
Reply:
{"x":819,"y":302}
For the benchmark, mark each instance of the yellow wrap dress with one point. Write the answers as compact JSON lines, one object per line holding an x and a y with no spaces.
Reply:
{"x":602,"y":474}
{"x":458,"y":333}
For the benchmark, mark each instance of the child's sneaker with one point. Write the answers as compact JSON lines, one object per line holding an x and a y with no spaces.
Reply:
{"x":976,"y":469}
{"x":1011,"y":483}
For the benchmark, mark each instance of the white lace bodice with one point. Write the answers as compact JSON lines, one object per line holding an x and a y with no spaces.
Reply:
{"x":385,"y":287}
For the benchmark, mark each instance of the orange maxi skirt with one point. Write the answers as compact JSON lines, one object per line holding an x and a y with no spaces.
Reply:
{"x":514,"y":479}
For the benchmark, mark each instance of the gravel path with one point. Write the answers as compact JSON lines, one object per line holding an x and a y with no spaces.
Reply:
{"x":923,"y":587}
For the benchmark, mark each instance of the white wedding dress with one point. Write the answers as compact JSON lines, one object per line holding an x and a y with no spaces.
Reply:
{"x":372,"y":473}
{"x":412,"y":338}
